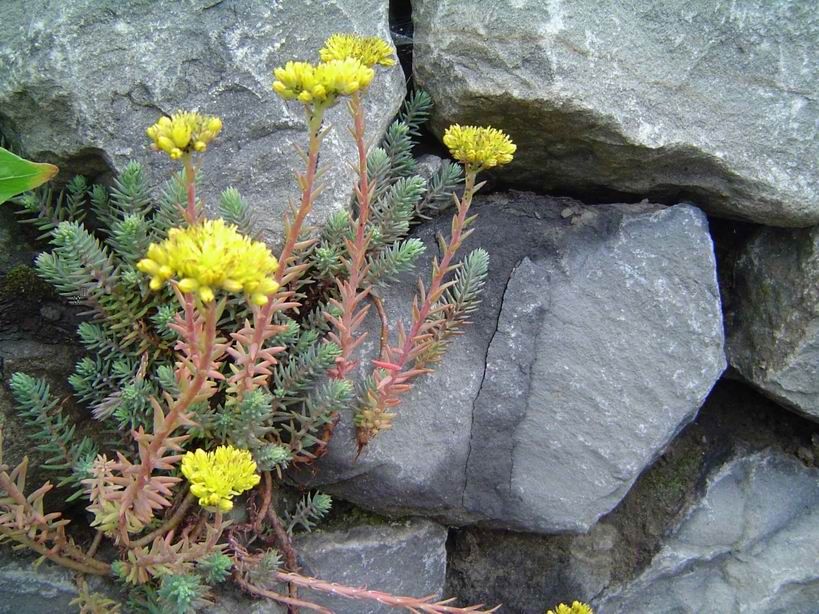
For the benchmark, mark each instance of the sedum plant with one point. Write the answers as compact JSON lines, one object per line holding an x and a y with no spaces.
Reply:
{"x":214,"y":365}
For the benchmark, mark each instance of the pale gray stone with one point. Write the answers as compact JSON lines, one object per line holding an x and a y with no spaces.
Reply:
{"x":81,"y":81}
{"x":750,"y":545}
{"x":24,"y":590}
{"x":710,"y":101}
{"x":599,"y":336}
{"x":773,"y":324}
{"x":403,"y":558}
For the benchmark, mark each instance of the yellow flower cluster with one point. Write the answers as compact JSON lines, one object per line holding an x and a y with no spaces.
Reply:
{"x":479,"y":147}
{"x":209,"y":256}
{"x":321,"y":83}
{"x":183,"y":132}
{"x":576,"y":608}
{"x":216,"y":477}
{"x":369,"y":50}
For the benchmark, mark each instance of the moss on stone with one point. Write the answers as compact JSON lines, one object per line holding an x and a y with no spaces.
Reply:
{"x":21,"y":281}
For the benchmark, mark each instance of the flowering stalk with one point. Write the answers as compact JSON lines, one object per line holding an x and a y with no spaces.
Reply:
{"x":191,"y":213}
{"x":477,"y":148}
{"x":351,"y":315}
{"x":200,"y":344}
{"x":248,"y":352}
{"x":395,"y":377}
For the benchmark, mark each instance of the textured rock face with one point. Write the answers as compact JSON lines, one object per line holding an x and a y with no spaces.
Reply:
{"x":403,"y":558}
{"x":24,"y":591}
{"x":400,"y":558}
{"x":708,"y":101}
{"x":773,"y":327}
{"x":600,"y":334}
{"x":751,"y":545}
{"x":80,"y":82}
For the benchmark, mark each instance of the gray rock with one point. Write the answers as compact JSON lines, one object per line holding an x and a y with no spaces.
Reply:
{"x":773,"y":325}
{"x":403,"y":558}
{"x":751,"y":545}
{"x":709,"y":101}
{"x":81,"y":81}
{"x":600,"y":333}
{"x":407,"y":558}
{"x":24,"y":590}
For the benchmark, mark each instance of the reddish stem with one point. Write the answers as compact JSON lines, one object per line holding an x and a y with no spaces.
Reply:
{"x":191,"y":214}
{"x":357,"y":251}
{"x":438,"y":277}
{"x":177,"y":410}
{"x":413,"y":604}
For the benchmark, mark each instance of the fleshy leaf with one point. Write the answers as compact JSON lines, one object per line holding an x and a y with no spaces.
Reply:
{"x":18,"y":175}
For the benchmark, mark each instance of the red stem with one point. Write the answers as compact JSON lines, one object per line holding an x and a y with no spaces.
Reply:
{"x":356,"y":268}
{"x":438,"y":277}
{"x":172,"y":419}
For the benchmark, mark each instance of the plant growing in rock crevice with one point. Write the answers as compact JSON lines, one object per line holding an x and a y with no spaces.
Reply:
{"x":213,"y":362}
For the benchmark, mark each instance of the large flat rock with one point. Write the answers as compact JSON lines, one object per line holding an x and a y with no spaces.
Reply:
{"x":599,"y":337}
{"x":81,"y":81}
{"x":773,"y":323}
{"x":710,"y":101}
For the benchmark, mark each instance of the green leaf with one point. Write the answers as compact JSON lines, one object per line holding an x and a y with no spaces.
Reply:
{"x":18,"y":175}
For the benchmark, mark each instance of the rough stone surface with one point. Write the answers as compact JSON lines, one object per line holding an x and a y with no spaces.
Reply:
{"x":407,"y":558}
{"x":751,"y":545}
{"x":526,"y":572}
{"x":600,"y":333}
{"x":25,"y":591}
{"x":713,"y":102}
{"x":403,"y":558}
{"x":80,"y":82}
{"x":773,"y":323}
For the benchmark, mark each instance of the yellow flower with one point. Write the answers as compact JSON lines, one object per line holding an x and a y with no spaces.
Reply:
{"x":183,"y":132}
{"x":576,"y":608}
{"x":323,"y":83}
{"x":369,"y":50}
{"x":211,"y":256}
{"x":479,"y":147}
{"x":216,"y":477}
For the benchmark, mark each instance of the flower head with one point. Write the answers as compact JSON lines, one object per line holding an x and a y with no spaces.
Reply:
{"x":479,"y":147}
{"x":216,"y":477}
{"x":184,"y":132}
{"x":369,"y":50}
{"x":322,"y":83}
{"x":576,"y":608}
{"x":211,"y":256}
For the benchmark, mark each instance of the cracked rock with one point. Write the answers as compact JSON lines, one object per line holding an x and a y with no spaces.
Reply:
{"x":709,"y":101}
{"x":750,"y":545}
{"x":773,"y":326}
{"x":81,"y":81}
{"x":595,"y":344}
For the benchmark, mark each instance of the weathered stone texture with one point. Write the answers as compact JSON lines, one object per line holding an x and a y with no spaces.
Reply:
{"x":600,"y":333}
{"x":81,"y":81}
{"x":709,"y":101}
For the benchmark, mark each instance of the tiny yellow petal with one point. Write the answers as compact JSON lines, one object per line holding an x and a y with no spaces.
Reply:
{"x":206,"y":294}
{"x":188,"y":285}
